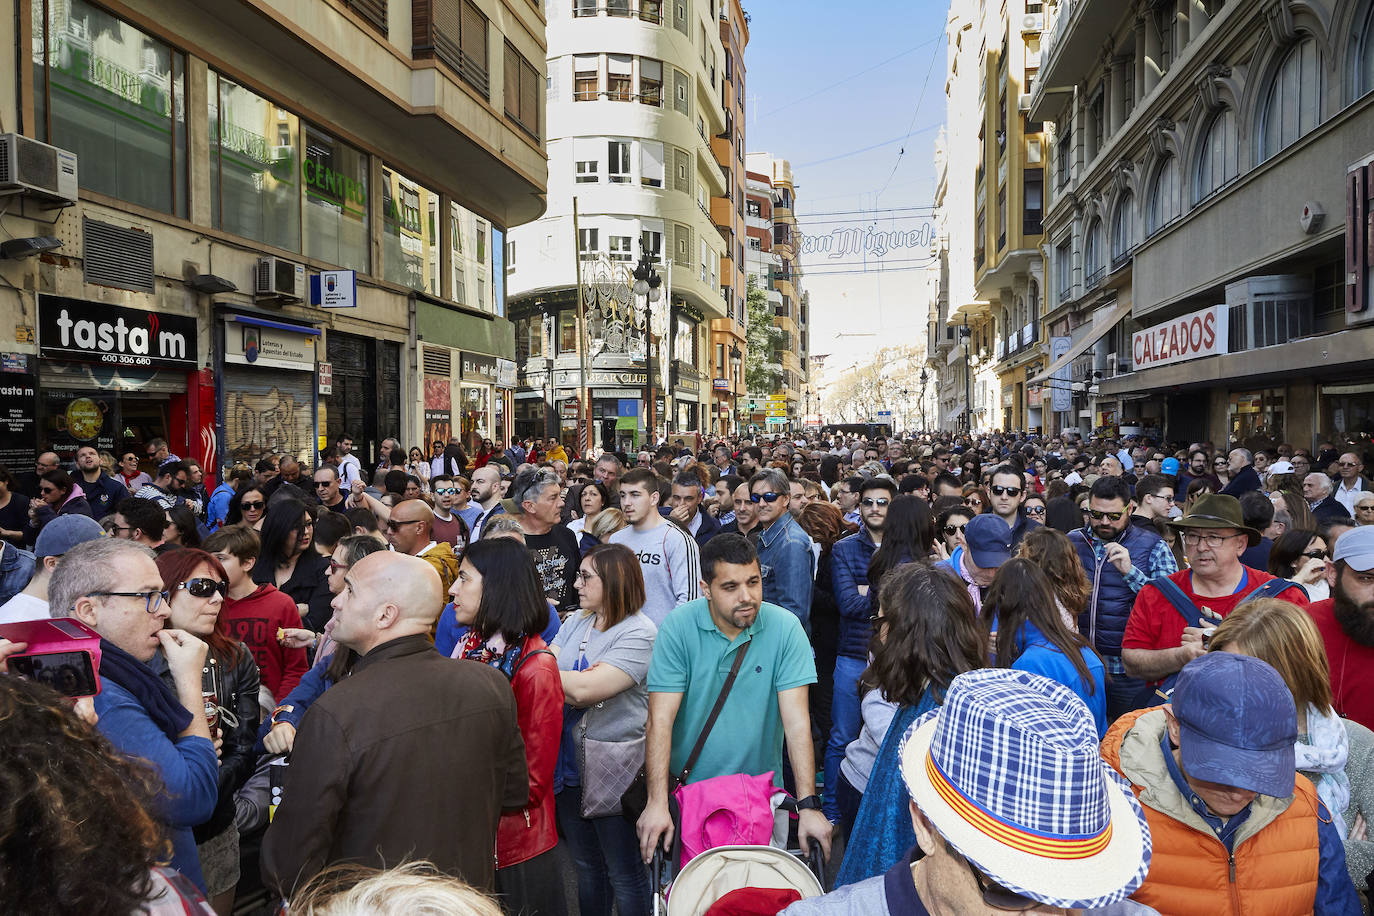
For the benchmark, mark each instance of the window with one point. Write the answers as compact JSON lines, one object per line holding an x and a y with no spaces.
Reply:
{"x":650,"y":82}
{"x":253,"y":166}
{"x":685,"y":340}
{"x":410,"y":234}
{"x":651,"y":164}
{"x":1165,"y":200}
{"x":510,"y":256}
{"x":586,"y":160}
{"x":1063,"y":155}
{"x":1093,"y":268}
{"x":1293,"y":104}
{"x":618,"y":161}
{"x":681,"y":102}
{"x":651,"y":243}
{"x":980,"y":232}
{"x":1127,"y":88}
{"x":567,"y":332}
{"x":469,"y":242}
{"x":336,"y":201}
{"x":1363,"y":55}
{"x":529,"y":337}
{"x":651,"y":11}
{"x":1032,"y":222}
{"x":521,"y":91}
{"x":1097,"y":124}
{"x":1001,"y":217}
{"x":620,"y":248}
{"x":1123,"y":229}
{"x":753,"y":208}
{"x":587,"y":242}
{"x":755,"y":243}
{"x":705,"y":256}
{"x":117,"y":98}
{"x":1217,"y":164}
{"x":618,"y":8}
{"x":585,"y":70}
{"x":460,"y":40}
{"x":584,"y":8}
{"x":1162,"y":18}
{"x":619,"y":85}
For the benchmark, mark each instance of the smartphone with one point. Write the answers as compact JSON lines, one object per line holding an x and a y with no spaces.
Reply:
{"x":63,"y":653}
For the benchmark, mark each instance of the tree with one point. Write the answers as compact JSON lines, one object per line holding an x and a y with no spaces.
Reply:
{"x":761,"y":371}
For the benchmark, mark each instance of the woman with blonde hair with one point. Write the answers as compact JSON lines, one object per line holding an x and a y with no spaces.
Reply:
{"x":606,"y":523}
{"x":1336,"y":754}
{"x":413,"y":889}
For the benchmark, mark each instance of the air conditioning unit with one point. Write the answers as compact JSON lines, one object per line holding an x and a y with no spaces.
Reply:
{"x":278,"y":278}
{"x":1032,"y":22}
{"x":1023,"y":102}
{"x":37,"y":169}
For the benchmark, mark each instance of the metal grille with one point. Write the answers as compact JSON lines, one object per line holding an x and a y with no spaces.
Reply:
{"x":116,"y":256}
{"x":438,"y":362}
{"x":682,"y":93}
{"x":680,"y":16}
{"x":682,"y":247}
{"x":374,"y":11}
{"x":682,"y":171}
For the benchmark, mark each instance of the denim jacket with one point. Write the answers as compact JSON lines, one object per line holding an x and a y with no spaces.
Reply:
{"x":16,"y":569}
{"x":788,"y":566}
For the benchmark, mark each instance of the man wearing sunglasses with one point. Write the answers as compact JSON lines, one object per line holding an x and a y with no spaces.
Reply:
{"x":1119,"y":559}
{"x":785,"y":554}
{"x":328,"y":491}
{"x":849,"y":560}
{"x":1007,"y":492}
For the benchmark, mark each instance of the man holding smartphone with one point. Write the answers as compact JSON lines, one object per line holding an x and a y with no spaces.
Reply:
{"x":114,"y":587}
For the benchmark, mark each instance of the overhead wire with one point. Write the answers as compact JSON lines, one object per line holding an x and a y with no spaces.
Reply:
{"x":914,"y":112}
{"x":853,"y":76}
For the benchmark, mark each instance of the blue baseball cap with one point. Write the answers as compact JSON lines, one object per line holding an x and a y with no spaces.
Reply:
{"x":1237,"y":722}
{"x":989,"y":541}
{"x":1169,"y":466}
{"x":65,"y":532}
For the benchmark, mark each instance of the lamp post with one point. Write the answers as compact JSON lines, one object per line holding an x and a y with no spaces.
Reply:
{"x":735,"y":357}
{"x":968,"y":387}
{"x":647,"y":283}
{"x":925,"y":377}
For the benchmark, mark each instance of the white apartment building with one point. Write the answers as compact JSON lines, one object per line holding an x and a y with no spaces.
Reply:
{"x":634,"y":94}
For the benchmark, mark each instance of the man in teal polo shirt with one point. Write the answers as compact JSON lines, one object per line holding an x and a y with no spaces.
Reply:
{"x":693,"y":653}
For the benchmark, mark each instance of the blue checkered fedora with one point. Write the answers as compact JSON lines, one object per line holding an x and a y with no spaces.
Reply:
{"x":1008,"y":771}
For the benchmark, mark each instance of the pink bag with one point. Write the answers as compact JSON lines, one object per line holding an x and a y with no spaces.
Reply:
{"x":734,"y":810}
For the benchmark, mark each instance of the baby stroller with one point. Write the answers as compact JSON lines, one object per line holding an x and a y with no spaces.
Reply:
{"x":717,"y":872}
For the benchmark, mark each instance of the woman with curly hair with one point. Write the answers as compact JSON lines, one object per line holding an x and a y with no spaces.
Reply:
{"x":76,"y":835}
{"x":825,"y":523}
{"x":925,"y":634}
{"x":1053,"y":552}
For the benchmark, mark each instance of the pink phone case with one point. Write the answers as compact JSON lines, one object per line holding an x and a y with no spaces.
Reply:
{"x":60,"y":634}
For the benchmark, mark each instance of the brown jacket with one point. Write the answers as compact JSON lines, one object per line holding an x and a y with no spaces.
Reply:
{"x":413,"y":756}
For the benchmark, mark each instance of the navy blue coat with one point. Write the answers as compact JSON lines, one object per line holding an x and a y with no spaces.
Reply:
{"x":1103,"y":622}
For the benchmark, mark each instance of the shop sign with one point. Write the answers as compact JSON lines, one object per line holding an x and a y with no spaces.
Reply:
{"x":479,"y":368}
{"x":18,"y":409}
{"x":569,"y":409}
{"x":326,"y":371}
{"x":1061,"y":394}
{"x":251,"y":345}
{"x":334,"y":289}
{"x":98,"y":332}
{"x":1033,"y":396}
{"x":626,"y":407}
{"x":720,"y":384}
{"x":505,"y":373}
{"x":571,"y":378}
{"x":438,"y":393}
{"x":1187,"y":337}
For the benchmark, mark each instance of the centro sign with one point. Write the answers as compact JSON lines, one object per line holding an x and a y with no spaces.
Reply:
{"x":74,"y":329}
{"x":1187,"y":337}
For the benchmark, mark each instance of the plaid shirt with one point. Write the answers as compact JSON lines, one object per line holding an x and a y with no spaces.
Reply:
{"x":1162,"y":562}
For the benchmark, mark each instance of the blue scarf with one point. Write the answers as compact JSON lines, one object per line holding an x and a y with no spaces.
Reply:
{"x":882,"y":832}
{"x":161,"y":705}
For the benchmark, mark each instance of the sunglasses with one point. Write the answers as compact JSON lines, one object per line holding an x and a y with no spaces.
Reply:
{"x":203,"y":588}
{"x":322,"y":483}
{"x":1035,"y":510}
{"x":251,"y":507}
{"x":1005,"y":491}
{"x":1315,"y":554}
{"x":1098,"y":516}
{"x":393,"y":524}
{"x":1364,"y":508}
{"x":997,"y":896}
{"x":870,"y":502}
{"x":769,"y":498}
{"x":952,"y":530}
{"x":445,"y":491}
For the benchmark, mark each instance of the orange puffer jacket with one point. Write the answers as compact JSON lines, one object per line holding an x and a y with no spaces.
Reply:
{"x":1273,"y":871}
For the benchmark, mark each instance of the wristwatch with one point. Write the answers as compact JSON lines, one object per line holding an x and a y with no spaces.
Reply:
{"x":810,"y":803}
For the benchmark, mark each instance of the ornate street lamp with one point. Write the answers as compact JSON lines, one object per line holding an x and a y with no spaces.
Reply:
{"x":646,"y":285}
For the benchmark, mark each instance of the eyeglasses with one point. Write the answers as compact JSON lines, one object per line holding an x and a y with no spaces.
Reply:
{"x":769,"y":498}
{"x":973,"y":502}
{"x":395,"y":524}
{"x":1160,"y":496}
{"x":1345,"y":464}
{"x":1005,"y":491}
{"x":251,"y":507}
{"x":1035,"y":510}
{"x":1098,"y":516}
{"x":952,"y":530}
{"x":336,"y":567}
{"x":875,"y":619}
{"x":445,"y":491}
{"x":204,"y":588}
{"x":1211,"y":540}
{"x":1220,"y":462}
{"x":997,"y":896}
{"x":880,"y":502}
{"x":153,"y":598}
{"x":583,"y":575}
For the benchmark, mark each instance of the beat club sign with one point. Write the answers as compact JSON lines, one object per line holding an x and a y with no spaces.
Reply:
{"x":98,"y":332}
{"x":1187,"y":337}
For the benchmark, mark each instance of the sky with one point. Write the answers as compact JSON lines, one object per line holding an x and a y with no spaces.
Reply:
{"x":836,"y":89}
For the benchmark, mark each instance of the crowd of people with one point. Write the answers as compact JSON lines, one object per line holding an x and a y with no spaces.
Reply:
{"x":998,"y":672}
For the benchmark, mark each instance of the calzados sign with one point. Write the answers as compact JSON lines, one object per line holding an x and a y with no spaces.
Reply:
{"x":100,"y":333}
{"x":1187,"y":337}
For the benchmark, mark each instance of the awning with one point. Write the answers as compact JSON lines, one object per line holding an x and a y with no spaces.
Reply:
{"x":954,"y":414}
{"x":1103,"y":321}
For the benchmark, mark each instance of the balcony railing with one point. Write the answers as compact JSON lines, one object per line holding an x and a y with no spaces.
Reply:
{"x":1094,"y":279}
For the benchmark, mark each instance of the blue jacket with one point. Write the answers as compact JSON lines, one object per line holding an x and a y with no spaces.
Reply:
{"x":1038,"y":655}
{"x":1248,"y":479}
{"x":102,"y":495}
{"x":1103,"y":621}
{"x":16,"y":569}
{"x":788,"y":567}
{"x":218,"y":508}
{"x":849,"y":561}
{"x":709,"y":528}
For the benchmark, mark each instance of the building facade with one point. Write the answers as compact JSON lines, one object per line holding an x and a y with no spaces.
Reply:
{"x":1207,"y":230}
{"x":219,"y":176}
{"x":781,"y":277}
{"x":634,"y":98}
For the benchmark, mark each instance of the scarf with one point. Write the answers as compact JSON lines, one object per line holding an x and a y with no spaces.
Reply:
{"x":493,"y":652}
{"x":161,"y":705}
{"x":879,"y":839}
{"x":974,"y":591}
{"x":1325,"y":752}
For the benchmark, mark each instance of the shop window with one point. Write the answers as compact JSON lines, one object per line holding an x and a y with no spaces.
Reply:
{"x":1217,"y":164}
{"x":1293,"y":104}
{"x":253,"y":188}
{"x":1257,"y":415}
{"x":410,"y":237}
{"x":336,"y":201}
{"x":116,"y":97}
{"x":468,"y":246}
{"x":567,"y":332}
{"x":476,"y":404}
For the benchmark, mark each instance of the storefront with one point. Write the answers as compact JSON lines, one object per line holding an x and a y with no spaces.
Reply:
{"x":267,"y":390}
{"x":687,"y":394}
{"x":477,"y":417}
{"x":1346,"y":412}
{"x":115,"y":377}
{"x":365,"y":397}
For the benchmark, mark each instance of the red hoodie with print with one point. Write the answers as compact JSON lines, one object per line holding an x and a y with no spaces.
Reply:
{"x":255,"y":620}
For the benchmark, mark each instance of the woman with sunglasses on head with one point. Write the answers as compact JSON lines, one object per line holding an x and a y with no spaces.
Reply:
{"x":249,"y":506}
{"x":287,"y":561}
{"x":1301,"y":555}
{"x":196,"y":584}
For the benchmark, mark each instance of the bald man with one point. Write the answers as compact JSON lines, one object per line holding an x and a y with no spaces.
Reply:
{"x":413,"y":754}
{"x":410,"y":530}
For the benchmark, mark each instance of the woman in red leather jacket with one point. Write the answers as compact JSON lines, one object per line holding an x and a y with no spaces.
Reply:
{"x":506,"y":620}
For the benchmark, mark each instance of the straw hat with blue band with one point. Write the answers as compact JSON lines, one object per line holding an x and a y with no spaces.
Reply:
{"x":1008,"y":771}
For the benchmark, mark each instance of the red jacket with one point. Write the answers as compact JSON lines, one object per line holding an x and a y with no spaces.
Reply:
{"x":538,"y":687}
{"x":255,"y":621}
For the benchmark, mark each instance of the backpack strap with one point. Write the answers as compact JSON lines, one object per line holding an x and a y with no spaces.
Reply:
{"x":1272,"y":589}
{"x":1179,"y":599}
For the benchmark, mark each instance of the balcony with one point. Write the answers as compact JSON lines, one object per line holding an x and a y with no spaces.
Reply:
{"x":1069,"y":48}
{"x":454,"y":32}
{"x":1094,"y":279}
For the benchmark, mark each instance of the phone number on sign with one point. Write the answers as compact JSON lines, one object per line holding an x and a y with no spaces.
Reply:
{"x":125,"y":360}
